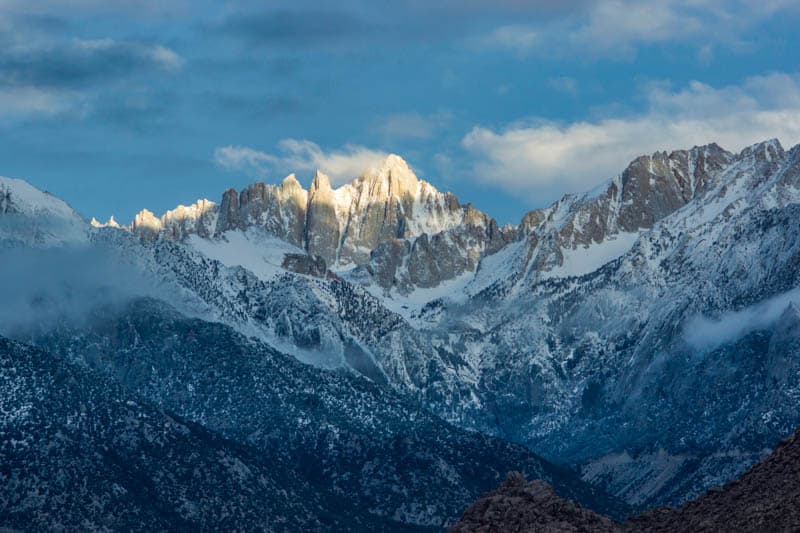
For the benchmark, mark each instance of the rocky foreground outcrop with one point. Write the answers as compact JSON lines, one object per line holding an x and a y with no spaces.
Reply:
{"x":765,"y":498}
{"x":520,"y":505}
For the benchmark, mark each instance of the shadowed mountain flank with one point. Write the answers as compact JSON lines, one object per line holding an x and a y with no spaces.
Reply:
{"x":765,"y":498}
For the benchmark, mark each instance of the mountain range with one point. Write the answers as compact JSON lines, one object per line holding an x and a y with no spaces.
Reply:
{"x":383,"y":344}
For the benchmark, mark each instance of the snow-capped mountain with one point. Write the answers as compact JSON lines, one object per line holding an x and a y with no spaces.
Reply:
{"x":644,"y":333}
{"x":30,"y":217}
{"x":398,"y":228}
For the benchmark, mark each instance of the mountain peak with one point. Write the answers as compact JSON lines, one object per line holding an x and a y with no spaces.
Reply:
{"x":19,"y":196}
{"x":110,"y":223}
{"x":768,"y":150}
{"x":193,"y":211}
{"x":146,"y":224}
{"x":395,"y":162}
{"x":320,"y":181}
{"x":48,"y":220}
{"x":393,"y":176}
{"x":290,"y":182}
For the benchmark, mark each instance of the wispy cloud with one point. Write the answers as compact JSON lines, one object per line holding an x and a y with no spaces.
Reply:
{"x":617,"y":28}
{"x":244,"y":159}
{"x":300,"y":156}
{"x":49,"y":77}
{"x":519,"y":38}
{"x":540,"y":157}
{"x":31,"y":101}
{"x":413,"y":125}
{"x":705,"y":333}
{"x":564,"y":84}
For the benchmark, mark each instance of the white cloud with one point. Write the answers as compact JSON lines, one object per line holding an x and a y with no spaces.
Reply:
{"x":27,"y":101}
{"x":157,"y":55}
{"x":704,"y":333}
{"x":243,"y":159}
{"x":616,"y":28}
{"x":166,"y":57}
{"x":543,"y":158}
{"x":619,"y":24}
{"x":301,"y":156}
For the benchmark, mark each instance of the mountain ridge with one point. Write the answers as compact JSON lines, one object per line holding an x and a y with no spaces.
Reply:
{"x":569,"y":334}
{"x":400,"y":229}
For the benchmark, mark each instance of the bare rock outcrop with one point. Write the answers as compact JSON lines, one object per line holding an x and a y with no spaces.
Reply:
{"x":650,"y":189}
{"x":309,"y":265}
{"x":428,"y":235}
{"x":529,"y":507}
{"x":765,"y":498}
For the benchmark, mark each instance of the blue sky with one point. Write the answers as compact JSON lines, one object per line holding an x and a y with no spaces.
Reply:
{"x":117,"y":106}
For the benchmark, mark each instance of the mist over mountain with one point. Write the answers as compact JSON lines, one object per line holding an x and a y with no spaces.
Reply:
{"x":383,"y":344}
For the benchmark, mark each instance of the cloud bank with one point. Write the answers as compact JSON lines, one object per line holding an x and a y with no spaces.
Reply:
{"x":47,"y":288}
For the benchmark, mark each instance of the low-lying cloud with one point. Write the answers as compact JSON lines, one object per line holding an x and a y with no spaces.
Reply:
{"x":45,"y":288}
{"x":703,"y":333}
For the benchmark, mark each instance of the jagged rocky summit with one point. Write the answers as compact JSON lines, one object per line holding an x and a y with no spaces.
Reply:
{"x":398,"y":228}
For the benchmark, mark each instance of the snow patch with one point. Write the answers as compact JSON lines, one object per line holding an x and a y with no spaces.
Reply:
{"x":254,"y":250}
{"x":586,"y":259}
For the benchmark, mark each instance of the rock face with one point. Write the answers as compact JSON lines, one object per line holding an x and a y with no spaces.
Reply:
{"x":322,"y":229}
{"x":309,"y":265}
{"x":280,"y":209}
{"x":386,"y":210}
{"x":429,"y":261}
{"x":651,"y":188}
{"x":765,"y":498}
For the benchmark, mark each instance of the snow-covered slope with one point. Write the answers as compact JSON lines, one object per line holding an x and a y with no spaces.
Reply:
{"x":573,"y":333}
{"x":31,"y":217}
{"x":603,"y":370}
